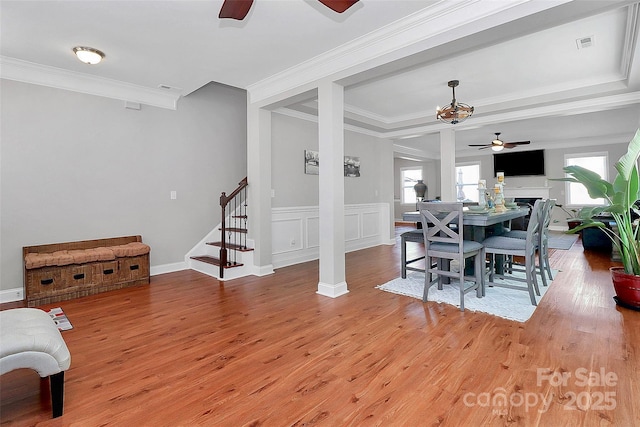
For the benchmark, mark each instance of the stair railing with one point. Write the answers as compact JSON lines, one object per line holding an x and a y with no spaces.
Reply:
{"x":237,"y":203}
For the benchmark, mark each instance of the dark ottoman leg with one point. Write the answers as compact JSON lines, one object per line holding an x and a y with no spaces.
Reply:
{"x":57,"y":393}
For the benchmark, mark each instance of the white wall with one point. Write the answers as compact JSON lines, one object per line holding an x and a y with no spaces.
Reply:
{"x":76,"y":167}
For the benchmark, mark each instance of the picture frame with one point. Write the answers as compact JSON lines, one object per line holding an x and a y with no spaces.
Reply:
{"x":351,"y":166}
{"x":311,"y":162}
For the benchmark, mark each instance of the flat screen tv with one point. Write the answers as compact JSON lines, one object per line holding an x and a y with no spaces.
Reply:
{"x":520,"y":163}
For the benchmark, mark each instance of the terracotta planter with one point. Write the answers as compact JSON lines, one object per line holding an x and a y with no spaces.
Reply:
{"x":573,"y":223}
{"x":627,"y":288}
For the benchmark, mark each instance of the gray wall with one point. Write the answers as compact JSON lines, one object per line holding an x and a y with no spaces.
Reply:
{"x":291,"y":136}
{"x":76,"y":167}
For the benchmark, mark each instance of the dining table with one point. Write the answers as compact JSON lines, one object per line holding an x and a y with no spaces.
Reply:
{"x":480,"y":225}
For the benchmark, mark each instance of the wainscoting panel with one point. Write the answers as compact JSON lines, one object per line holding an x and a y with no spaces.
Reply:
{"x":296,"y":237}
{"x":351,"y":226}
{"x":370,"y":224}
{"x":287,"y":235}
{"x":313,"y":232}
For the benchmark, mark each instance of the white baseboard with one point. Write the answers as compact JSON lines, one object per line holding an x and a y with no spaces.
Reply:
{"x":17,"y":294}
{"x":168,"y":268}
{"x":332,"y":290}
{"x":11,"y":295}
{"x":262,"y":270}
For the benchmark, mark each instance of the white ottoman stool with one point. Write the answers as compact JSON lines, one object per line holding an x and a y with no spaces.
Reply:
{"x":30,"y":339}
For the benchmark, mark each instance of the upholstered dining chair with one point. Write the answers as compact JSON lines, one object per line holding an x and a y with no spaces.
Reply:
{"x":544,"y":213}
{"x":513,"y":246}
{"x":442,"y":227}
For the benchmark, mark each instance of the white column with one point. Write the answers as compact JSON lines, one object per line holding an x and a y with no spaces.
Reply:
{"x":448,"y":165}
{"x":331,"y":181}
{"x":259,"y":189}
{"x":386,"y":183}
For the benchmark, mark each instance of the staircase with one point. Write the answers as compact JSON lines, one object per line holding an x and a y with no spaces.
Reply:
{"x":226,"y":249}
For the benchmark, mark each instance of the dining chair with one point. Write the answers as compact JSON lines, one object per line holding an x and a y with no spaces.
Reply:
{"x":543,"y":251}
{"x":406,"y":264}
{"x":442,"y":228}
{"x":544,"y":213}
{"x":513,"y":246}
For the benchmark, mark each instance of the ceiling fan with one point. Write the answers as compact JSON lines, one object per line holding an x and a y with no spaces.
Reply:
{"x":498,"y":144}
{"x":238,"y":9}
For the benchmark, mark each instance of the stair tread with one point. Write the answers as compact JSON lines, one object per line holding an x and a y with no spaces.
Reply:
{"x":213,"y":260}
{"x":236,"y":230}
{"x":233,"y":246}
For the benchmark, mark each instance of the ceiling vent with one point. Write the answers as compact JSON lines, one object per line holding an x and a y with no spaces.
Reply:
{"x":585,"y":42}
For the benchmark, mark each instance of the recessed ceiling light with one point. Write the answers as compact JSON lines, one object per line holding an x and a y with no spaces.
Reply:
{"x":88,"y":55}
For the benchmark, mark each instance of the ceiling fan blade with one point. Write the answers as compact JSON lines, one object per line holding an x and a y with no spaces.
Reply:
{"x":235,"y":9}
{"x":485,"y":147}
{"x":338,"y":5}
{"x":479,"y":145}
{"x":513,"y":144}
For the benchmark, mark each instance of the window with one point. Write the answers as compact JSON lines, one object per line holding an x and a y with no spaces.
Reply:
{"x":576,"y":193}
{"x":467,"y":177}
{"x":409,"y":177}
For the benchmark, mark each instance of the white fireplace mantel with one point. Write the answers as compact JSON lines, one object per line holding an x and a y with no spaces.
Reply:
{"x":527,"y":192}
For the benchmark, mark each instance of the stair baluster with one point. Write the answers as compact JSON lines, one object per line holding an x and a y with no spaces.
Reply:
{"x":239,"y":195}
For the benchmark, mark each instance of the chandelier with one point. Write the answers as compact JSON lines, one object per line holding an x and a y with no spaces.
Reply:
{"x":456,"y":112}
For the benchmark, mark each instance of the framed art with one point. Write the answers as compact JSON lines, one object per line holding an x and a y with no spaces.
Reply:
{"x":351,"y":166}
{"x":311,"y":162}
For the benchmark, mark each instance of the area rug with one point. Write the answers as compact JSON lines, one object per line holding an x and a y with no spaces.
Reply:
{"x":60,"y":319}
{"x":561,"y":240}
{"x":510,"y":304}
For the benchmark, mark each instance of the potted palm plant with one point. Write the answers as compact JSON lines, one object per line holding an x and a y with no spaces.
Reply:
{"x":573,"y":216}
{"x":622,"y":196}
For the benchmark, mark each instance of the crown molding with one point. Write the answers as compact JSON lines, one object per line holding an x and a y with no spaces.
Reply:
{"x":560,"y":109}
{"x":569,"y":108}
{"x":433,"y":26}
{"x":29,"y":72}
{"x":414,"y":153}
{"x":522,"y":99}
{"x":313,"y":118}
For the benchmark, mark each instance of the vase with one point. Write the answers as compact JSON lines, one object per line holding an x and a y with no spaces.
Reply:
{"x":627,"y":287}
{"x":420,"y":189}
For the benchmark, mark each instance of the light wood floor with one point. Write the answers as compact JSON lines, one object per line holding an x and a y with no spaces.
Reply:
{"x":188,"y":350}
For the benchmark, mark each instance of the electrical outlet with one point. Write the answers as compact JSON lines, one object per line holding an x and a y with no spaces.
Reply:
{"x":292,"y":242}
{"x":174,"y":195}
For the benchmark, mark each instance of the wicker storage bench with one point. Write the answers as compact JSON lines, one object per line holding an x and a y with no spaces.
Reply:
{"x":62,"y":271}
